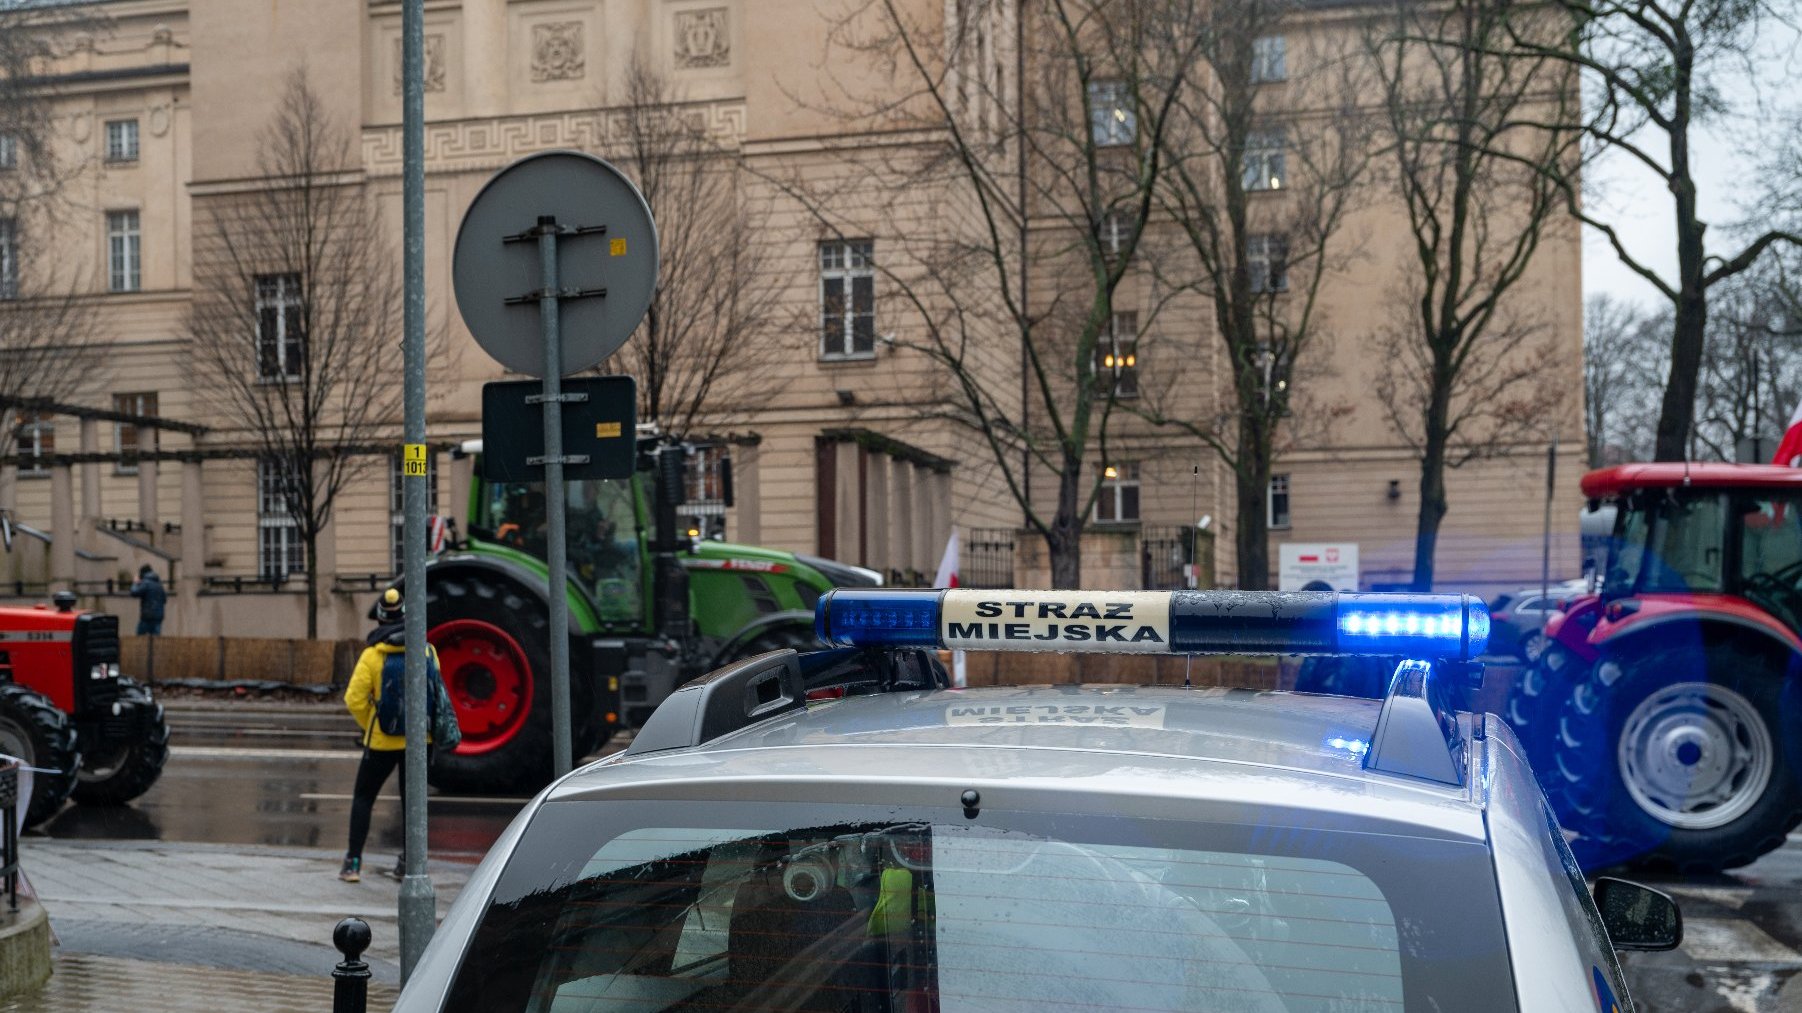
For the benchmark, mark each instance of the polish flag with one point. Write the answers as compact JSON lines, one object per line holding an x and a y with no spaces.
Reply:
{"x":1789,"y":450}
{"x":947,"y":575}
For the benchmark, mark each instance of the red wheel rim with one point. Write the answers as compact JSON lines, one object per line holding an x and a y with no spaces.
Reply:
{"x":489,"y":679}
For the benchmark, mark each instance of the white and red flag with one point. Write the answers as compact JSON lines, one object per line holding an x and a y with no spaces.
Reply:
{"x":947,"y":575}
{"x":1789,"y":449}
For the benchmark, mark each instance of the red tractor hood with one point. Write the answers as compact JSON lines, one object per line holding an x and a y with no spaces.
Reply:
{"x":1620,"y":617}
{"x":1609,"y":483}
{"x":16,"y":619}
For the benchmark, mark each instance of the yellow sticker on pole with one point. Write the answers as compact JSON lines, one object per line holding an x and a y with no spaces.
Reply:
{"x":616,"y":248}
{"x":413,"y":459}
{"x":606,"y":430}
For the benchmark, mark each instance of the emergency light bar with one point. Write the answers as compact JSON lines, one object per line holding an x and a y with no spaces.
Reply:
{"x":1448,"y":626}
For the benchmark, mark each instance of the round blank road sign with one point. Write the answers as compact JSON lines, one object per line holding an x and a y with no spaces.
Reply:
{"x":579,"y":191}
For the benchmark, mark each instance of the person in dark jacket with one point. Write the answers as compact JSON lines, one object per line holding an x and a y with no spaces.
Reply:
{"x":151,"y":597}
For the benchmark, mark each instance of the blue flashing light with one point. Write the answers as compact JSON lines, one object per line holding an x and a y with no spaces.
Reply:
{"x":1413,"y":624}
{"x":858,"y":617}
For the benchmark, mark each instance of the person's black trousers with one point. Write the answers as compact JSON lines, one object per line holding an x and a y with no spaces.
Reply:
{"x":372,"y":773}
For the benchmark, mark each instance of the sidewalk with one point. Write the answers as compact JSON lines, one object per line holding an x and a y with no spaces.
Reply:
{"x":144,"y":925}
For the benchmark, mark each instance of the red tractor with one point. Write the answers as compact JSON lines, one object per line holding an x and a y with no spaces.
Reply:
{"x":66,"y":710}
{"x":1663,"y":713}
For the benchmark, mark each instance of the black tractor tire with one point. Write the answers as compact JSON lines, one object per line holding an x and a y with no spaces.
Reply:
{"x":1531,"y":709}
{"x":1346,"y":676}
{"x":116,"y":773}
{"x":521,"y":765}
{"x":776,"y":638}
{"x":1587,"y":784}
{"x":32,"y":729}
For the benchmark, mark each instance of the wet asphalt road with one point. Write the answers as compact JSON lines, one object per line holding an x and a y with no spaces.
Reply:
{"x":276,"y":775}
{"x":281,"y":775}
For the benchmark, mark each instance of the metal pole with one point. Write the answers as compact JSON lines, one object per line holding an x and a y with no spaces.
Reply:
{"x":418,"y":904}
{"x":550,"y":325}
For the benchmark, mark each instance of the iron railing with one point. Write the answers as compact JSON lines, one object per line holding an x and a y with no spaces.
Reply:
{"x":987,"y":558}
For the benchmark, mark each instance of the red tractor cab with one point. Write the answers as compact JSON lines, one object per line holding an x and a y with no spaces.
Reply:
{"x":1661,"y":712}
{"x":66,"y":711}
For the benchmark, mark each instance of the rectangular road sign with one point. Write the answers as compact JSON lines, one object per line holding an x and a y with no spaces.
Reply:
{"x":1301,"y":564}
{"x":600,"y":419}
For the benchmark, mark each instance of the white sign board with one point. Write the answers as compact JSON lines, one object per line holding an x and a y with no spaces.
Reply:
{"x":1302,"y":563}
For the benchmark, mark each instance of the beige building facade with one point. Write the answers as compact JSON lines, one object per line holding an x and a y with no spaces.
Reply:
{"x":836,"y":459}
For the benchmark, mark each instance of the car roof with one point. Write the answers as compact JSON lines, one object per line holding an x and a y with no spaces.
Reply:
{"x":1228,"y":745}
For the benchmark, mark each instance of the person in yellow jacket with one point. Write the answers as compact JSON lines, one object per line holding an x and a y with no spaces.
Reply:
{"x":382,"y":750}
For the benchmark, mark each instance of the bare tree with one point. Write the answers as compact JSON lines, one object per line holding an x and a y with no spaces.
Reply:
{"x":1260,"y":187}
{"x":47,"y":345}
{"x":702,"y":353}
{"x":1038,"y":142}
{"x":296,"y":317}
{"x":1752,"y":367}
{"x":1467,"y":369}
{"x":1622,"y":350}
{"x":1657,"y":71}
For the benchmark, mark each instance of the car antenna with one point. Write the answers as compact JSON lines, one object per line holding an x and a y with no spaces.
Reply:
{"x":1194,"y":543}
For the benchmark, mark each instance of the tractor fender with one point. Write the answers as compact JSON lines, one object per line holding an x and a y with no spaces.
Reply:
{"x":1572,"y":627}
{"x":755,"y":628}
{"x":1627,"y":618}
{"x":500,"y":566}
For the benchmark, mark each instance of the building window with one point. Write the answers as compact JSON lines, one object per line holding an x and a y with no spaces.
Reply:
{"x":122,"y":251}
{"x":281,"y":336}
{"x":36,"y":439}
{"x":1116,"y":229}
{"x":1117,"y":357}
{"x":9,"y":152}
{"x":1111,"y":118}
{"x":397,"y":508}
{"x":847,"y":299}
{"x":1279,"y":501}
{"x":1119,"y":499}
{"x":122,"y":140}
{"x":9,"y":258}
{"x":1267,"y":258}
{"x":1269,"y":59}
{"x":707,"y":475}
{"x":129,"y":439}
{"x":1262,"y":167}
{"x":279,"y":548}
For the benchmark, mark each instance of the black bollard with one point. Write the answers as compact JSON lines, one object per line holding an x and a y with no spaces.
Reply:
{"x":350,"y":979}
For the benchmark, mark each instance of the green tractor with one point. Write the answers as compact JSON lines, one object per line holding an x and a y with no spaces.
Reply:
{"x":650,"y":607}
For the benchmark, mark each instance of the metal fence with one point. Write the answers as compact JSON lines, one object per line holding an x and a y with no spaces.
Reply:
{"x":987,"y":558}
{"x":1167,"y":552}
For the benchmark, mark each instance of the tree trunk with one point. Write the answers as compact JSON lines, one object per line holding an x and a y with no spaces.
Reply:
{"x":1064,"y":538}
{"x":1432,"y":483}
{"x":312,"y":540}
{"x":1251,"y":537}
{"x":1676,"y":419}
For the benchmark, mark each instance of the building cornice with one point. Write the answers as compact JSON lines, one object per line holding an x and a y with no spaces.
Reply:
{"x":483,"y":145}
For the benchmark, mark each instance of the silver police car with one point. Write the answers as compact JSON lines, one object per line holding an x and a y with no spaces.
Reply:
{"x":840,"y":830}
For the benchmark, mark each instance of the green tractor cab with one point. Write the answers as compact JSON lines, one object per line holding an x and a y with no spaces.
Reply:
{"x":650,"y":607}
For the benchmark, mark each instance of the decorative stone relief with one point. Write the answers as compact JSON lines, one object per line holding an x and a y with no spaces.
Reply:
{"x":434,"y":63}
{"x":159,"y":119}
{"x":701,"y":39}
{"x":557,"y":51}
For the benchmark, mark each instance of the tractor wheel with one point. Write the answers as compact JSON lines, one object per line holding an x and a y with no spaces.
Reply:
{"x":493,"y":648}
{"x":1674,"y":759}
{"x":1533,"y":701}
{"x":32,"y":729}
{"x":114,"y":773}
{"x":1346,"y":676}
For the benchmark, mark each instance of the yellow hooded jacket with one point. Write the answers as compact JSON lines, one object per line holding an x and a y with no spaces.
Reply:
{"x":366,"y":688}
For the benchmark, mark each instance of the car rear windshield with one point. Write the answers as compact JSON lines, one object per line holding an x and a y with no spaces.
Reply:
{"x":689,"y":906}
